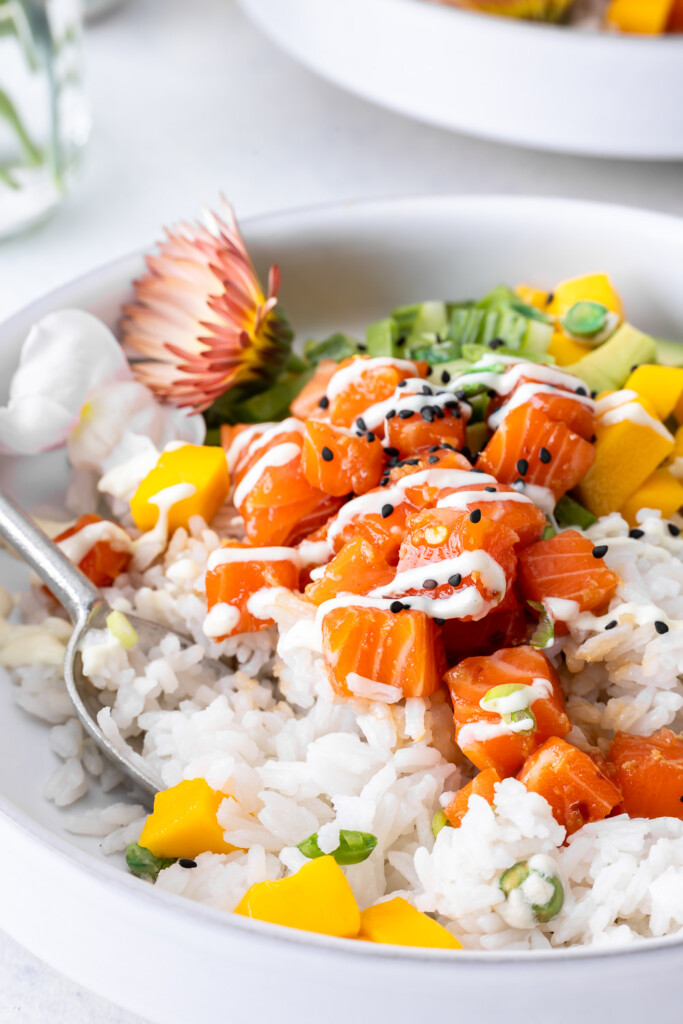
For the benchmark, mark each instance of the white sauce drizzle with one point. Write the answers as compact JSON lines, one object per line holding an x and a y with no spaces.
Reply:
{"x":221,"y":620}
{"x":352,"y":373}
{"x":624,"y":405}
{"x":152,"y":543}
{"x":461,"y":499}
{"x":481,"y":732}
{"x":504,"y":383}
{"x":242,"y":441}
{"x":280,"y":455}
{"x":224,"y":556}
{"x":524,"y":394}
{"x":79,"y":544}
{"x":469,"y":562}
{"x":314,"y":552}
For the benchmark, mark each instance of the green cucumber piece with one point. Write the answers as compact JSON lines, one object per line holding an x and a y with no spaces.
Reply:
{"x":669,"y":353}
{"x":608,"y":367}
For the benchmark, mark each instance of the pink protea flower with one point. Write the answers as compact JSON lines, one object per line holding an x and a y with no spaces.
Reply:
{"x":200,"y":319}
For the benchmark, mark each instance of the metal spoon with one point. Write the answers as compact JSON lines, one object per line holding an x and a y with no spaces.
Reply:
{"x":87,"y":610}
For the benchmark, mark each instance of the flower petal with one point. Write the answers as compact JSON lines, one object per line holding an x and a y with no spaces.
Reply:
{"x":65,"y":356}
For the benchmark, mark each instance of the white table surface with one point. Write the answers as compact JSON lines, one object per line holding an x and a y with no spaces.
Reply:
{"x":189,"y":100}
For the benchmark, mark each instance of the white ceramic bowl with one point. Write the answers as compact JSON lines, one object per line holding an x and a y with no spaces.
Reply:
{"x":173,"y":961}
{"x":531,"y":84}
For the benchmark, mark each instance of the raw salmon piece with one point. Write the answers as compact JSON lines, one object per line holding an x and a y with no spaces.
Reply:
{"x":376,"y":382}
{"x":508,"y":625}
{"x":356,"y":569}
{"x":260,"y":443}
{"x":414,"y":434}
{"x":489,"y":737}
{"x":338,"y":461}
{"x":564,"y":566}
{"x":233,"y":583}
{"x":650,"y":773}
{"x":307,"y":405}
{"x":102,"y":563}
{"x":402,"y":650}
{"x":571,"y":782}
{"x":558,"y":407}
{"x":526,"y":438}
{"x":518,"y":512}
{"x":482,"y":785}
{"x":439,"y":540}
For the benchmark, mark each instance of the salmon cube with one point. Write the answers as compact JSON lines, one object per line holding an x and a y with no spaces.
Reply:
{"x":650,"y":773}
{"x":236,"y":572}
{"x":338,"y":461}
{"x":482,"y":785}
{"x":568,"y":566}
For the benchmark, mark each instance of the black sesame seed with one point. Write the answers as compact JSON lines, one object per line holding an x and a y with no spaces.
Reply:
{"x":475,"y":515}
{"x":370,"y":437}
{"x":430,"y":584}
{"x":496,"y":343}
{"x":384,"y":482}
{"x":491,"y":393}
{"x":393,"y":461}
{"x":475,"y":470}
{"x":186,"y":862}
{"x":324,"y":402}
{"x":410,"y":462}
{"x":661,"y":627}
{"x":681,"y":799}
{"x":405,"y":414}
{"x":594,"y":394}
{"x":361,"y":347}
{"x":402,"y":383}
{"x":387,"y":511}
{"x":438,"y":412}
{"x":445,"y":376}
{"x":449,"y":447}
{"x":673,"y":529}
{"x":544,"y":455}
{"x":432,"y":459}
{"x":581,"y":391}
{"x":461,"y":395}
{"x":361,"y":424}
{"x":392,"y":451}
{"x":612,"y":624}
{"x":594,"y":438}
{"x":455,"y":580}
{"x":400,"y":342}
{"x":519,"y":483}
{"x":450,"y":404}
{"x":427,"y":413}
{"x":635,"y":367}
{"x":395,"y":606}
{"x":426,"y":390}
{"x":390,"y":415}
{"x":636,"y":534}
{"x":434,"y":448}
{"x":549,"y":298}
{"x":440,"y":622}
{"x":327,"y":454}
{"x":599,"y":551}
{"x":522,"y":467}
{"x":429,"y":371}
{"x":491,"y":490}
{"x":463,"y":451}
{"x":406,"y":605}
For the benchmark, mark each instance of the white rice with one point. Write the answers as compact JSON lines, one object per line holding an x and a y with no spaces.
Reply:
{"x":270,"y":733}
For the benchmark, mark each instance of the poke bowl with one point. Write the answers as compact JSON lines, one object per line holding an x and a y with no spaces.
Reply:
{"x":569,"y":90}
{"x":384,"y":822}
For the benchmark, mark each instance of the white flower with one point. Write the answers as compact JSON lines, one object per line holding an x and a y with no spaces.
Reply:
{"x":74,"y":385}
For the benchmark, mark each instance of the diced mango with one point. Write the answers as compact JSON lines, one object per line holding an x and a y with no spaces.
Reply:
{"x":565,"y":350}
{"x":678,"y":444}
{"x":590,"y":288}
{"x":201,"y":466}
{"x":660,"y":491}
{"x":645,"y":17}
{"x":678,"y":410}
{"x":398,"y":923}
{"x":627,"y":452}
{"x":661,"y":386}
{"x":316,"y":899}
{"x":532,"y":296}
{"x":183,"y":822}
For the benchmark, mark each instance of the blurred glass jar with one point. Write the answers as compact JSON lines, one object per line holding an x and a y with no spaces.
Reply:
{"x":44,"y":120}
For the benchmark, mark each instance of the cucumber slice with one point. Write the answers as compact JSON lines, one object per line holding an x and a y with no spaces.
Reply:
{"x":381,"y":336}
{"x":608,"y":367}
{"x":669,"y":353}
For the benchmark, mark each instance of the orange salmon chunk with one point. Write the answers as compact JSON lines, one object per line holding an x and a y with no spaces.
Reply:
{"x":482,"y":785}
{"x":103,"y":561}
{"x":338,"y":461}
{"x":363,"y":382}
{"x":233,"y":577}
{"x":650,"y":773}
{"x":572,"y":783}
{"x":505,"y":706}
{"x":356,"y":569}
{"x":567,"y":566}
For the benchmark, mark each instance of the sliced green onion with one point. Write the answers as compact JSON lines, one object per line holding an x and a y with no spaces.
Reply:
{"x":586,"y":319}
{"x":525,"y":716}
{"x":440,"y":821}
{"x":544,"y":634}
{"x":570,"y":513}
{"x":354,"y":847}
{"x":121,"y":629}
{"x":503,"y":690}
{"x":515,"y":877}
{"x":549,"y":532}
{"x":338,"y":346}
{"x":142,"y":863}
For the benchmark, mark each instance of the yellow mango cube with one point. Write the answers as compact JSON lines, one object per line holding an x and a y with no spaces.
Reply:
{"x":398,"y":923}
{"x":532,"y":296}
{"x":645,"y":17}
{"x":565,"y":350}
{"x":316,"y":899}
{"x":630,"y":446}
{"x":589,"y":288}
{"x":202,"y":467}
{"x":660,"y":491}
{"x":183,"y":822}
{"x":678,"y":410}
{"x":678,"y":444}
{"x":661,"y":386}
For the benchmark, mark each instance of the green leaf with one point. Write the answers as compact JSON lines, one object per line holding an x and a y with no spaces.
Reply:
{"x":571,"y":513}
{"x":585,"y":319}
{"x":354,"y":847}
{"x":142,"y":863}
{"x":440,"y":821}
{"x":338,"y":346}
{"x":549,"y":532}
{"x":544,"y":634}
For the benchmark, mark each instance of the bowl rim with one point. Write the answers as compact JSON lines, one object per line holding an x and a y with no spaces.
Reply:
{"x":220,"y":921}
{"x":576,"y":33}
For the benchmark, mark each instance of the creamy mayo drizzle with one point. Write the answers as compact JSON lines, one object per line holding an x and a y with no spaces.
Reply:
{"x":79,"y":544}
{"x":152,"y":543}
{"x":520,"y":700}
{"x":624,"y":405}
{"x":352,"y":373}
{"x":461,"y":499}
{"x":280,"y":455}
{"x":541,"y":496}
{"x":314,"y":552}
{"x":224,"y":556}
{"x":524,"y":394}
{"x":469,"y":562}
{"x":504,"y":383}
{"x":242,"y":441}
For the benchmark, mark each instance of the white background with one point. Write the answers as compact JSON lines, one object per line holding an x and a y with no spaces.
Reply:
{"x":188,"y":101}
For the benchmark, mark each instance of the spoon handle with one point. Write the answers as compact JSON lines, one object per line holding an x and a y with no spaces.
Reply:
{"x":68,"y":584}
